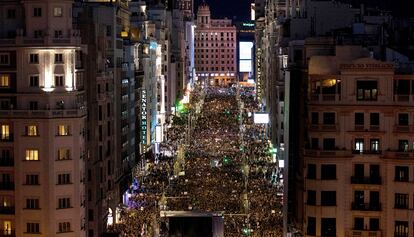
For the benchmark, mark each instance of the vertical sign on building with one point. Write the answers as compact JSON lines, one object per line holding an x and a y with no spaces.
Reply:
{"x":259,"y":91}
{"x":143,"y":116}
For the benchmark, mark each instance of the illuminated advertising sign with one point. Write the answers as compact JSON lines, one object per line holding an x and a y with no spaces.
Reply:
{"x":261,"y":118}
{"x":143,"y":116}
{"x":259,"y":91}
{"x":246,"y":24}
{"x":245,"y":56}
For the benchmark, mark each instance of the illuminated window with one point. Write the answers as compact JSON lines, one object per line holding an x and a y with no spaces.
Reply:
{"x":401,"y":229}
{"x":4,"y":59}
{"x":4,"y":80}
{"x":7,"y":228}
{"x":64,"y":227}
{"x":32,"y":130}
{"x":367,"y":90}
{"x":32,"y":154}
{"x":6,"y":201}
{"x":5,"y":132}
{"x":57,"y":12}
{"x":63,"y":154}
{"x":63,"y":130}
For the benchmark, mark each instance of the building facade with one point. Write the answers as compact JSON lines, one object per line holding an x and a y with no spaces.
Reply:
{"x":43,"y":121}
{"x":111,"y":112}
{"x":215,"y":48}
{"x":358,"y":160}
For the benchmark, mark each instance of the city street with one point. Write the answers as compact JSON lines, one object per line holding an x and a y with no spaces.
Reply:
{"x":222,"y":165}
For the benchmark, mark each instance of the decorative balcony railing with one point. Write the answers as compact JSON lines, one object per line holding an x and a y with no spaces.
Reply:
{"x":325,"y":97}
{"x":365,"y":180}
{"x":6,"y":162}
{"x":403,"y":128}
{"x":328,"y":153}
{"x":6,"y":138}
{"x":7,"y":210}
{"x":7,"y":232}
{"x":324,"y":127}
{"x":61,"y":113}
{"x":398,"y":154}
{"x":356,"y":206}
{"x":6,"y":186}
{"x":364,"y":233}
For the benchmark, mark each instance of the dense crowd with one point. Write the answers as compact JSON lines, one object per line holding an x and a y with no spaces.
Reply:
{"x":225,"y":168}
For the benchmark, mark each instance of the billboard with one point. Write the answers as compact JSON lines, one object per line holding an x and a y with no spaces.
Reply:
{"x":245,"y":56}
{"x":261,"y":118}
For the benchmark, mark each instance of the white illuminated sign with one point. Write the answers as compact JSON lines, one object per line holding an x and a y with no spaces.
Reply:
{"x":245,"y":56}
{"x":158,"y":134}
{"x":261,"y":118}
{"x":246,"y":66}
{"x":245,"y":50}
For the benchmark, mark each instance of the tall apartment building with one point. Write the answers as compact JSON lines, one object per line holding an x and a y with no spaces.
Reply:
{"x":215,"y":48}
{"x":42,"y":121}
{"x":111,"y":113}
{"x":283,"y":49}
{"x":359,"y":162}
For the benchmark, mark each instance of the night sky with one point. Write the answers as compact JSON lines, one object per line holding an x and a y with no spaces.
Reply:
{"x":240,"y":9}
{"x":234,"y":9}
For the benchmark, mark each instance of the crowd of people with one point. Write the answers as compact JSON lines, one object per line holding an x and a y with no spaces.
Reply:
{"x":225,"y":168}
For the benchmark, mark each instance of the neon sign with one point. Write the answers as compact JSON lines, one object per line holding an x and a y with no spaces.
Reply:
{"x":143,"y":117}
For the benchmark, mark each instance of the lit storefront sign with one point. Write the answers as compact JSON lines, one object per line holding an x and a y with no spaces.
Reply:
{"x":143,"y":120}
{"x":259,"y":91}
{"x":248,"y":24}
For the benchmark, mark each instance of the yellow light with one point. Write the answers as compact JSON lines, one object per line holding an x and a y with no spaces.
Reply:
{"x":124,"y":34}
{"x":328,"y":82}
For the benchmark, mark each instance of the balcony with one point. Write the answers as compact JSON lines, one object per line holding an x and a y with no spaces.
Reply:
{"x":367,"y":152}
{"x":364,"y":233}
{"x":374,"y":128}
{"x":71,"y":39}
{"x":365,"y":180}
{"x":402,"y":128}
{"x":7,"y":233}
{"x":359,"y":127}
{"x":403,"y":99}
{"x":329,"y":98}
{"x":398,"y":154}
{"x":366,"y":206}
{"x":29,"y":114}
{"x":6,"y":138}
{"x":324,"y":127}
{"x":6,"y":186}
{"x":6,"y":162}
{"x":7,"y":210}
{"x":328,"y":153}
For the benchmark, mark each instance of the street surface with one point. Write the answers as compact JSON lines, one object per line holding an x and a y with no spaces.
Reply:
{"x":215,"y":160}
